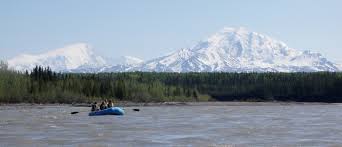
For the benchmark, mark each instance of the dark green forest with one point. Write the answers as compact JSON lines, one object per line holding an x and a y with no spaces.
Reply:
{"x":41,"y":85}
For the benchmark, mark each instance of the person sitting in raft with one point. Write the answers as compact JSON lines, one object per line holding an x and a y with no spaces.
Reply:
{"x":94,"y":107}
{"x":103,"y":106}
{"x":110,"y":104}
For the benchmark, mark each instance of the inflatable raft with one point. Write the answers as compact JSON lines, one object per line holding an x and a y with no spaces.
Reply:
{"x":108,"y":111}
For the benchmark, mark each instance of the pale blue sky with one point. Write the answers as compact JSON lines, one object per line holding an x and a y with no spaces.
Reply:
{"x":150,"y":28}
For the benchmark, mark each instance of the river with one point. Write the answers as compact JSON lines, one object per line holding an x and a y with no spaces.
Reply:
{"x":273,"y":125}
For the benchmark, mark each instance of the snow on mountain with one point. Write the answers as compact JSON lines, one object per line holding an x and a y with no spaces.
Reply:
{"x":121,"y":64}
{"x":62,"y":59}
{"x":129,"y":60}
{"x":124,"y":60}
{"x":239,"y":50}
{"x":339,"y":66}
{"x":124,"y":63}
{"x":175,"y":62}
{"x":229,"y":50}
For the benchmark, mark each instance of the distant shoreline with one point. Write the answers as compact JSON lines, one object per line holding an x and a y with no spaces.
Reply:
{"x":216,"y":103}
{"x":152,"y":104}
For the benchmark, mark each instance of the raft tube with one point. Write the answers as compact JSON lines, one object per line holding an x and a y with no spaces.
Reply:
{"x":108,"y":111}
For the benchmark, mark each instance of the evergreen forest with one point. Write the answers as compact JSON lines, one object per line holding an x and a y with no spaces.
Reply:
{"x":42,"y":85}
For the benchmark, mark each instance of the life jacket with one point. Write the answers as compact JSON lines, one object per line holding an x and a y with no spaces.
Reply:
{"x":93,"y":107}
{"x":103,"y":106}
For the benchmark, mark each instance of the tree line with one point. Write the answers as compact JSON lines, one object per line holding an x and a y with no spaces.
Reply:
{"x":42,"y":85}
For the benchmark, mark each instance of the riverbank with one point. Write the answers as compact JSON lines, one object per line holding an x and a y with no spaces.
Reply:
{"x":217,"y":103}
{"x":151,"y":104}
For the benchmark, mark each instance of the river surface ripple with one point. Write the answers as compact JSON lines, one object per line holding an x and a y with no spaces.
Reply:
{"x":283,"y":125}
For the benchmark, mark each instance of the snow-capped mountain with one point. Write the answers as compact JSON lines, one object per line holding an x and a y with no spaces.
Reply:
{"x":124,"y":60}
{"x":121,"y":64}
{"x":239,"y":50}
{"x":339,"y":66}
{"x":71,"y":57}
{"x":229,"y":50}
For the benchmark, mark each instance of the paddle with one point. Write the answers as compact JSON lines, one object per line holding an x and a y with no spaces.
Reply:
{"x":75,"y":112}
{"x":134,"y":109}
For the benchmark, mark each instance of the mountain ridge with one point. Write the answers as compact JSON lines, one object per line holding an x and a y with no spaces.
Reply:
{"x":229,"y":50}
{"x":238,"y":50}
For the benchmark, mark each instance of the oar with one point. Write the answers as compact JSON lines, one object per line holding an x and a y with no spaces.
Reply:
{"x":75,"y":112}
{"x":134,"y":109}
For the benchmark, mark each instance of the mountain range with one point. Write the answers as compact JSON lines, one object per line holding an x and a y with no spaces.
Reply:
{"x":229,"y":50}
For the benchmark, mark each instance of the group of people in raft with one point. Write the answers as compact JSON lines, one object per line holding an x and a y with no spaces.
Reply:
{"x":104,"y":105}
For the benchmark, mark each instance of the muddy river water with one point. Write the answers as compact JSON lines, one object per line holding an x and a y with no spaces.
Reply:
{"x":279,"y":125}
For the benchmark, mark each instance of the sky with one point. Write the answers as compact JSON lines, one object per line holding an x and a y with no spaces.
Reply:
{"x":152,"y":28}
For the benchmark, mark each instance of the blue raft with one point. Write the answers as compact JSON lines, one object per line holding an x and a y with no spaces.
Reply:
{"x":108,"y":111}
